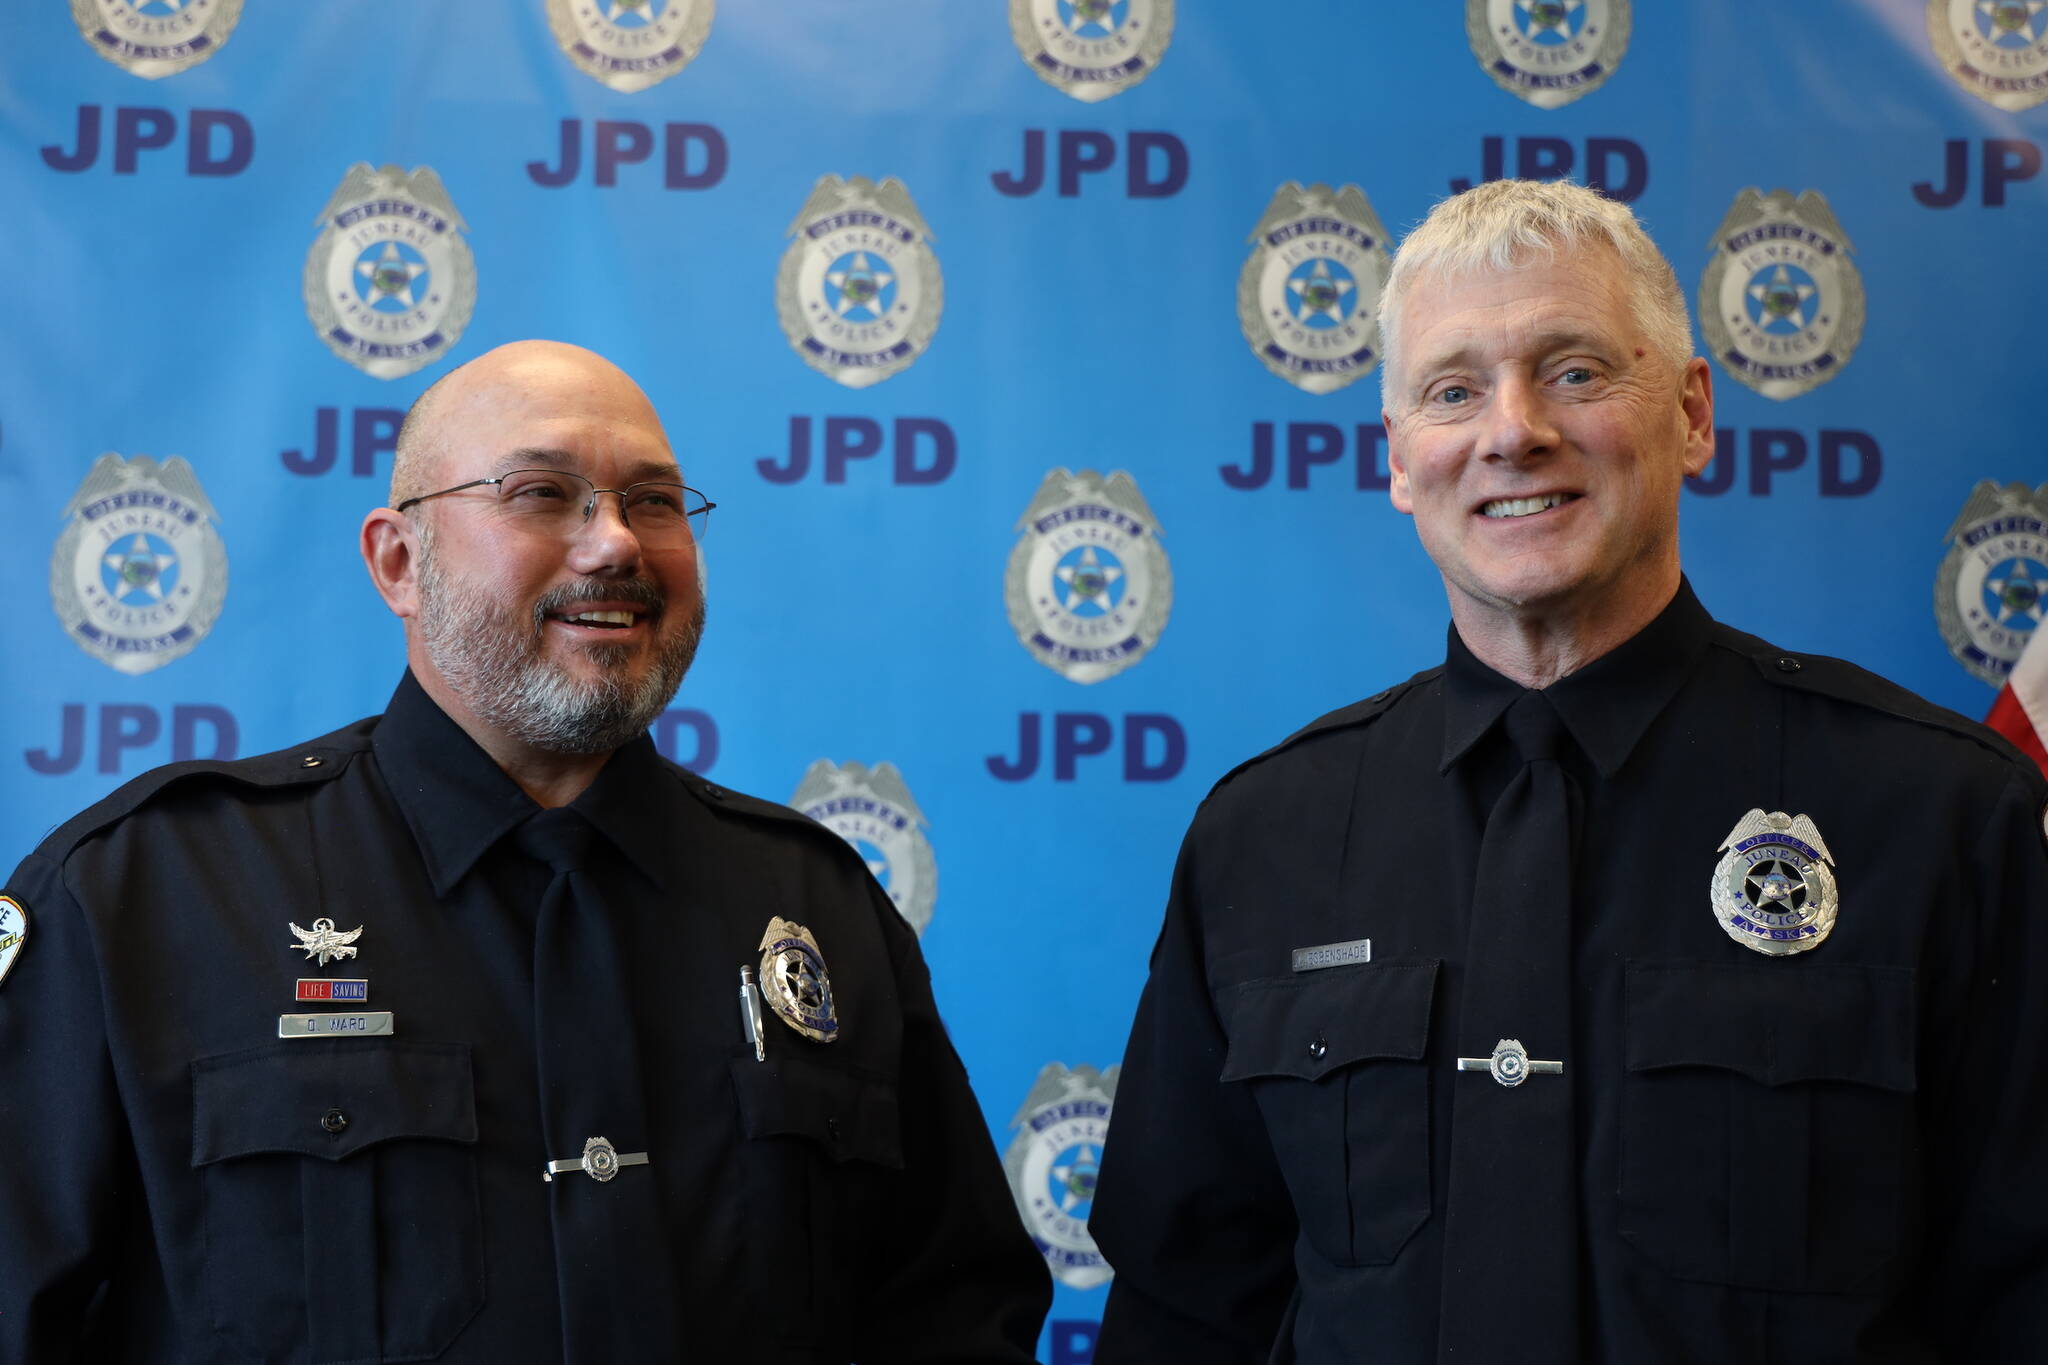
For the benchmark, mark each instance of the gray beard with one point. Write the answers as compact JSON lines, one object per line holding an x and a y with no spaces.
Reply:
{"x":492,"y":659}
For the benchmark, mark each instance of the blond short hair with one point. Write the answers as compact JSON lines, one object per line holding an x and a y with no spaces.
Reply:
{"x":1506,"y":224}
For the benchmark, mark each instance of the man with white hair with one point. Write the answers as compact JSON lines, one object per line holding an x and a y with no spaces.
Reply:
{"x":468,"y":1032}
{"x":1626,"y":989}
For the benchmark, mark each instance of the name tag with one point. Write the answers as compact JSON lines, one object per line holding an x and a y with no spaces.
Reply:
{"x":335,"y":988}
{"x":1332,"y":955}
{"x":366,"y":1024}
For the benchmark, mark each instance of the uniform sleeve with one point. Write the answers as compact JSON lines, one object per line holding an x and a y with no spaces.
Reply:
{"x":67,"y":1170}
{"x":1985,"y":1109}
{"x":960,"y":1281}
{"x":1190,"y":1211}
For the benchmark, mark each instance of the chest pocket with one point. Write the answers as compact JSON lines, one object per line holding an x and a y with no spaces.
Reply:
{"x":820,"y":1159}
{"x":1334,"y":1059}
{"x":1769,"y":1134}
{"x":340,"y":1197}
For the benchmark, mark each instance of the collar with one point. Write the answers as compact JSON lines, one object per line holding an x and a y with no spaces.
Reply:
{"x":1607,"y":705}
{"x":458,"y":802}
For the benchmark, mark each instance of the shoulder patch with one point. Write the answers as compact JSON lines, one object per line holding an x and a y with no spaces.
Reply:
{"x":318,"y":760}
{"x":13,"y":932}
{"x":1344,"y":718}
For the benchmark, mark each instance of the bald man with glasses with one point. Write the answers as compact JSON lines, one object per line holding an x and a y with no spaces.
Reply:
{"x":477,"y":1031}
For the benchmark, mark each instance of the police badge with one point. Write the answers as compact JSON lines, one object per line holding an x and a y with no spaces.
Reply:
{"x":1772,"y":890}
{"x":1306,"y":295}
{"x":389,"y":284}
{"x":138,"y":577}
{"x":859,"y":292}
{"x":1988,"y":594}
{"x":1548,"y":52}
{"x":1052,"y":1163}
{"x":793,"y":980}
{"x":156,"y":38}
{"x":1091,"y":49}
{"x":873,"y":812}
{"x":1781,"y":305}
{"x":13,"y":932}
{"x":1088,"y":587}
{"x":1995,"y":49}
{"x":630,"y":44}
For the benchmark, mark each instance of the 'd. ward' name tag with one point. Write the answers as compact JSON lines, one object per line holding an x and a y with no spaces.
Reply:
{"x":352,"y":1025}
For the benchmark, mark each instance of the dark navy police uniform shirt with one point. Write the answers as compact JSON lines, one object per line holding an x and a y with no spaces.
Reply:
{"x":1829,"y":1157}
{"x":175,"y":1188}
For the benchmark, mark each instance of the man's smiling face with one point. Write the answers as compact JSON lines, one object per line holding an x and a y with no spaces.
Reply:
{"x":564,"y":641}
{"x":1540,"y":442}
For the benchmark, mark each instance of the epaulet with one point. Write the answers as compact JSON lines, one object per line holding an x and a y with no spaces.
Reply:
{"x":1344,"y":718}
{"x":316,"y":760}
{"x":1821,"y":675}
{"x":726,"y":801}
{"x":739,"y":803}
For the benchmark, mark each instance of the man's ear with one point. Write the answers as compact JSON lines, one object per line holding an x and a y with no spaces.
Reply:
{"x":1397,"y":465}
{"x":390,"y":546}
{"x":1696,"y":398}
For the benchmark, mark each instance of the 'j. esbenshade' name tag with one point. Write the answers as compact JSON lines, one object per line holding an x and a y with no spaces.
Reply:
{"x":1332,"y":955}
{"x":363,"y":1024}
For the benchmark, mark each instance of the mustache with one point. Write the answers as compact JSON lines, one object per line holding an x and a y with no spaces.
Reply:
{"x":635,"y":592}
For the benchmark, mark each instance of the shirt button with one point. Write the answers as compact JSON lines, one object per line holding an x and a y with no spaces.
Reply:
{"x":310,"y":761}
{"x":333,"y":1121}
{"x":1788,"y":664}
{"x":1317,"y":1049}
{"x":714,"y":793}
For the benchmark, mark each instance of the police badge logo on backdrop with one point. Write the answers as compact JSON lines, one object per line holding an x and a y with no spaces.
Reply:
{"x":1052,"y":1163}
{"x":1306,"y":295}
{"x":859,"y":292}
{"x":630,"y":45}
{"x":1548,"y":52}
{"x":389,"y":282}
{"x":156,"y":38}
{"x":1781,"y":304}
{"x":1088,"y":588}
{"x":1091,"y":49}
{"x":1989,"y":591}
{"x":139,"y":575}
{"x":1995,"y":49}
{"x":873,"y":812}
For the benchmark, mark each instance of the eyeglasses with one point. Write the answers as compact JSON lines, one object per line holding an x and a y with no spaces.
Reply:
{"x":554,"y":501}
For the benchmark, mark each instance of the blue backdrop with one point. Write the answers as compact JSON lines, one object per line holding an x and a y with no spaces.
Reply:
{"x":1026,"y":350}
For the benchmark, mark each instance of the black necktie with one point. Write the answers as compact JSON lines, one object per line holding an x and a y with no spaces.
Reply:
{"x":1511,"y":1244}
{"x":613,"y":1264}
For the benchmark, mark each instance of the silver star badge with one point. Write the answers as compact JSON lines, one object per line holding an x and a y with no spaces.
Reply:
{"x":1774,"y":889}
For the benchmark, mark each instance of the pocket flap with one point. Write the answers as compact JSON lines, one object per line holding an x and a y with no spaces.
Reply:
{"x":278,"y":1098}
{"x":1775,"y":1022}
{"x":1311,"y":1024}
{"x":852,"y":1116}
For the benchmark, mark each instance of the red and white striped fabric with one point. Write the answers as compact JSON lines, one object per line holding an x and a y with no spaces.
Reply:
{"x":2021,"y":711}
